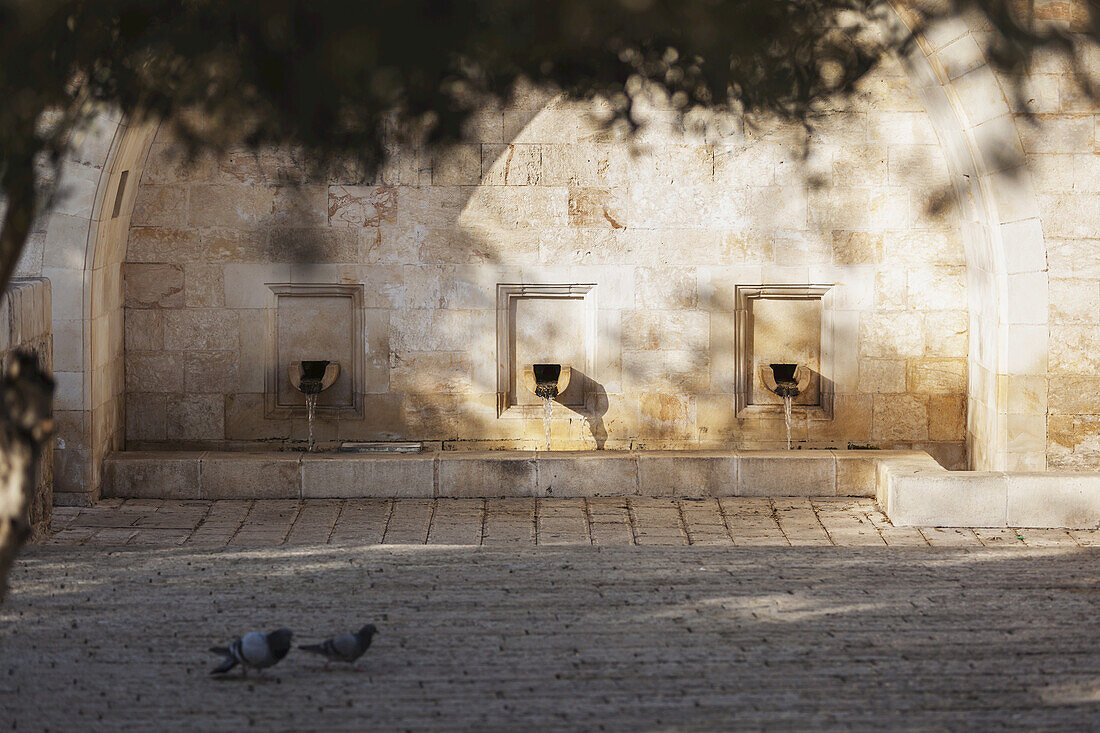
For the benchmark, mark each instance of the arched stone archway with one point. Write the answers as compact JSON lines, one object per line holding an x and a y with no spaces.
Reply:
{"x":1005,"y":254}
{"x":1003,"y":236}
{"x":84,"y":247}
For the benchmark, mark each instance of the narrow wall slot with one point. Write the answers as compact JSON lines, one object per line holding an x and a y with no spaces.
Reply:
{"x":118,"y":194}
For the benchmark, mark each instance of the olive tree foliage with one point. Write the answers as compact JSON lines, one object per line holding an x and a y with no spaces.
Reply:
{"x":351,"y":78}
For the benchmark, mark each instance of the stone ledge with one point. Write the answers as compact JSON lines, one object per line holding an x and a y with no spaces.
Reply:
{"x":775,"y":473}
{"x":330,"y":476}
{"x":914,"y":492}
{"x":489,"y":474}
{"x":153,"y":475}
{"x":587,"y":473}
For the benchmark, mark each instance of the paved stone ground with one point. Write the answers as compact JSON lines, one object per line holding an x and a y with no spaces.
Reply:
{"x":602,"y":522}
{"x":520,"y":636}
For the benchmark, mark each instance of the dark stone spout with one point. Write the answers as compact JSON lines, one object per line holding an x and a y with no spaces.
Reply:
{"x":786,"y":380}
{"x":785,"y":383}
{"x":546,"y":380}
{"x":313,"y":375}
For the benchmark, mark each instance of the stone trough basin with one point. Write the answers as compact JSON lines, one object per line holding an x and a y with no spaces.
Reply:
{"x":909,"y":485}
{"x":285,"y":475}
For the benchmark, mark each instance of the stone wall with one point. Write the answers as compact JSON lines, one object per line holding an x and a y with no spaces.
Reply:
{"x":665,"y":227}
{"x":1058,"y":127}
{"x":25,"y":326}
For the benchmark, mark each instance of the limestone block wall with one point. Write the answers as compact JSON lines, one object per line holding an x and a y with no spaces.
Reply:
{"x":1035,"y":293}
{"x":25,"y":325}
{"x":1059,"y":129}
{"x":665,"y":226}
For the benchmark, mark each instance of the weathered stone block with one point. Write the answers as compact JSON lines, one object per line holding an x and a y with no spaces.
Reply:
{"x":649,"y":330}
{"x":1075,"y":350}
{"x":487,"y":474}
{"x":1073,"y":442}
{"x":431,"y":371}
{"x":245,"y":419}
{"x":598,"y":473}
{"x":946,"y":333}
{"x":1074,"y":301}
{"x":162,"y":244}
{"x":457,"y":165}
{"x":300,"y":206}
{"x":195,"y":417}
{"x":238,"y":165}
{"x":512,"y":165}
{"x":1054,"y":500}
{"x":169,"y":163}
{"x":899,"y":418}
{"x":851,"y":420}
{"x":315,"y":245}
{"x":715,"y":417}
{"x":856,"y":472}
{"x":442,"y":330}
{"x":889,"y":335}
{"x":929,"y":499}
{"x":233,"y":245}
{"x":154,"y":286}
{"x":583,"y":164}
{"x":667,"y":416}
{"x":208,"y":330}
{"x":352,"y":476}
{"x":857,"y":248}
{"x":891,"y":290}
{"x":947,"y":417}
{"x":1074,"y":395}
{"x":786,"y":473}
{"x":204,"y":285}
{"x":212,"y":372}
{"x":362,"y":206}
{"x":145,"y":416}
{"x":152,"y":475}
{"x":881,"y":376}
{"x":246,"y":286}
{"x":687,"y":473}
{"x":153,"y":371}
{"x":160,"y":206}
{"x":937,"y":376}
{"x":251,"y":476}
{"x":229,"y":206}
{"x":937,"y":288}
{"x":596,"y":207}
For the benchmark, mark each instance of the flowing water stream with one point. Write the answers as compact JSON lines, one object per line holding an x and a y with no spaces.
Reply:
{"x":547,"y":415}
{"x":787,"y":416}
{"x":311,"y":407}
{"x":547,"y":391}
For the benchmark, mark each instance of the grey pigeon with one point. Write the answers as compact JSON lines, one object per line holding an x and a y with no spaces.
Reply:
{"x":344,"y":648}
{"x":255,"y":649}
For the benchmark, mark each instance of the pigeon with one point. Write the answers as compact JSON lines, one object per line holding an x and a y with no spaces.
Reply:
{"x":344,"y":648}
{"x":255,"y":649}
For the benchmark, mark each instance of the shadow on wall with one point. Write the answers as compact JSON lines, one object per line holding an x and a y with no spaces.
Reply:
{"x":666,"y":227}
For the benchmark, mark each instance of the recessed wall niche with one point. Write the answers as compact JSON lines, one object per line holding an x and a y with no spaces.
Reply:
{"x":313,"y":321}
{"x":786,"y":324}
{"x":539,"y":324}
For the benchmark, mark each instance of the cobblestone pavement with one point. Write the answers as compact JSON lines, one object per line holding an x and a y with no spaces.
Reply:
{"x":521,"y":636}
{"x":608,"y":521}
